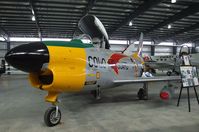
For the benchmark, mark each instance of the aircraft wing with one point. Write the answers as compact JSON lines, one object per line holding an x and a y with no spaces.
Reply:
{"x":160,"y":65}
{"x":149,"y":79}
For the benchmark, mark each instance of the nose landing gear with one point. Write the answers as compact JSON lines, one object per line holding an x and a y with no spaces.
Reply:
{"x":96,"y":93}
{"x":52,"y":116}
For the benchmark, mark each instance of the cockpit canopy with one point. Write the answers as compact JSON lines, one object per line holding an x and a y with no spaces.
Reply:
{"x":93,"y":27}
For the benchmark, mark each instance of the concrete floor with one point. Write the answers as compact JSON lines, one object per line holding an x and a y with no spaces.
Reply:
{"x":22,"y":109}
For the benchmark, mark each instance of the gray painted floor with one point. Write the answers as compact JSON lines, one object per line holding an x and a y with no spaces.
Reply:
{"x":22,"y":109}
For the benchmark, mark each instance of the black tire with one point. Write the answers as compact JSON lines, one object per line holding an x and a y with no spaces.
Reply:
{"x":94,"y":93}
{"x":141,"y":94}
{"x":49,"y":117}
{"x":169,"y":73}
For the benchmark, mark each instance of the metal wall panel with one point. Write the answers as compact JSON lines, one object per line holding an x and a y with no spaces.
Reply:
{"x":163,"y":50}
{"x":3,"y":49}
{"x":2,"y":45}
{"x":120,"y":47}
{"x":2,"y":53}
{"x":197,"y":49}
{"x":14,"y":43}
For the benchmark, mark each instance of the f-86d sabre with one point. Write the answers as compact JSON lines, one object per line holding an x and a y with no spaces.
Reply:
{"x":59,"y":66}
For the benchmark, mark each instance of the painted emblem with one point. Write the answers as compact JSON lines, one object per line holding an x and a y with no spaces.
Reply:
{"x":114,"y":59}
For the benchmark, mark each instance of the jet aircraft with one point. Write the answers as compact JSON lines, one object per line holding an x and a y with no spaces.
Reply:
{"x":59,"y":66}
{"x":171,"y":63}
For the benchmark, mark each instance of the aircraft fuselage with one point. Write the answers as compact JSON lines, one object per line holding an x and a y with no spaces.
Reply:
{"x":72,"y":66}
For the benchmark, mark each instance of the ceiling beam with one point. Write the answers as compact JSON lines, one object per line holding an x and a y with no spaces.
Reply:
{"x":173,"y":34}
{"x":192,"y":9}
{"x":192,"y":38}
{"x":4,"y":34}
{"x":36,"y":20}
{"x":141,"y":9}
{"x":190,"y":28}
{"x":89,"y":6}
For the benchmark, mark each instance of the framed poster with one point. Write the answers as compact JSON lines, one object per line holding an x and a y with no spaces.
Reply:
{"x":195,"y":76}
{"x":186,"y":60}
{"x":189,"y":76}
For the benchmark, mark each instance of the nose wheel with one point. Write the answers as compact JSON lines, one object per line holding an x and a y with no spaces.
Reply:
{"x":52,"y":116}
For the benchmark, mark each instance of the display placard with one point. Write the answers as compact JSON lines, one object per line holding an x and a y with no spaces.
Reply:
{"x":186,"y":60}
{"x":189,"y":76}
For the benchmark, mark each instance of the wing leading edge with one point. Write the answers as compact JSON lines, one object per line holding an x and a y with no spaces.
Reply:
{"x":150,"y":79}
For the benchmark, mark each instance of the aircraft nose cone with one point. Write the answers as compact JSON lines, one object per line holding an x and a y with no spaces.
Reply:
{"x":28,"y":57}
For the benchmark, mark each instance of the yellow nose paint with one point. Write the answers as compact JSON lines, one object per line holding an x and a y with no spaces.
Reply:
{"x":68,"y":66}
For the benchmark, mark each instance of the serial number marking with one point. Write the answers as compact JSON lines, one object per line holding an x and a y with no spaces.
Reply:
{"x":96,"y":62}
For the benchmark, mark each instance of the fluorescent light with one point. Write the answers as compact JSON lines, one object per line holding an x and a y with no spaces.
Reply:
{"x":166,"y":43}
{"x":144,"y":42}
{"x":33,"y":18}
{"x":20,"y":39}
{"x":169,"y":26}
{"x":173,"y":1}
{"x":56,"y":39}
{"x":130,"y":23}
{"x":117,"y":41}
{"x":24,"y":39}
{"x":2,"y":39}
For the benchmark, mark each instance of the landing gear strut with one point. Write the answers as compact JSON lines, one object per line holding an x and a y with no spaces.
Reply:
{"x":52,"y":116}
{"x":96,"y":93}
{"x":143,"y":92}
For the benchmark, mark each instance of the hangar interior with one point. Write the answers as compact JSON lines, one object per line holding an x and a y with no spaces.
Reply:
{"x":166,"y":24}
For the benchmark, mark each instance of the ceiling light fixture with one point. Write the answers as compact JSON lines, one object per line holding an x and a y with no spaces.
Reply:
{"x":169,"y":26}
{"x":33,"y":18}
{"x":173,"y":1}
{"x":130,"y":23}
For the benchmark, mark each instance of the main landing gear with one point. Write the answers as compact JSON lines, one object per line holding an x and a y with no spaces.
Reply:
{"x":52,"y":116}
{"x":141,"y":94}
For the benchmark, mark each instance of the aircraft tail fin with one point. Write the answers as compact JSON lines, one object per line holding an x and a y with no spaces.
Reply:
{"x":138,"y":54}
{"x":140,"y":46}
